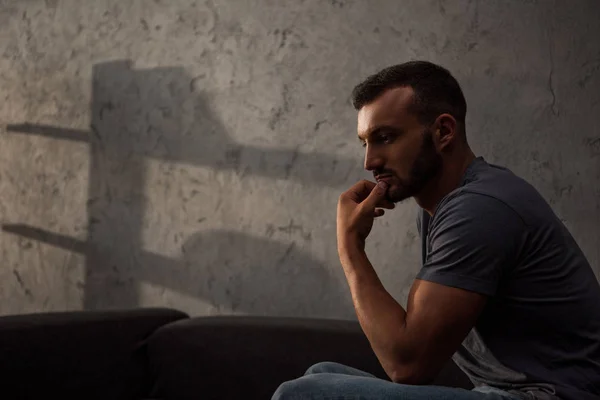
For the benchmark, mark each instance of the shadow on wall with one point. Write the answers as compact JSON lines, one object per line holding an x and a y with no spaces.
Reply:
{"x":156,"y":113}
{"x":227,"y":269}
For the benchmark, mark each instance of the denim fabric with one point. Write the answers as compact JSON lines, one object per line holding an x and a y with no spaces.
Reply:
{"x":332,"y":381}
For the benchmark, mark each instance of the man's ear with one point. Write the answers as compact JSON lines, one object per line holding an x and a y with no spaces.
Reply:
{"x":446,"y":131}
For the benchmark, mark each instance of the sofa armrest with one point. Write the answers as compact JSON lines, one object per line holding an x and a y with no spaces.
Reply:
{"x":248,"y":357}
{"x":91,"y":355}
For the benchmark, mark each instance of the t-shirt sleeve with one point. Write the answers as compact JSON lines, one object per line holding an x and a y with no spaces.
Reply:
{"x":473,"y":240}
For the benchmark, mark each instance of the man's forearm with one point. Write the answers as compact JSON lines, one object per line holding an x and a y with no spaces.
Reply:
{"x":381,"y":317}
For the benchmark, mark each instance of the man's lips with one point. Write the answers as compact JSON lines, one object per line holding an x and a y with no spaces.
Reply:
{"x":384,"y":178}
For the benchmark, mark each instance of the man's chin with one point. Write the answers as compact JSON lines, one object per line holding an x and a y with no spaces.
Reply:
{"x":397,"y":194}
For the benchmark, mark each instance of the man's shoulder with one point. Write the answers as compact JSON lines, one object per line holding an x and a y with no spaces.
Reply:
{"x":476,"y":205}
{"x":492,"y":188}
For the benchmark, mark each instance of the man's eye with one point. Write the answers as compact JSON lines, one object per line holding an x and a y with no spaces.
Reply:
{"x":383,"y":138}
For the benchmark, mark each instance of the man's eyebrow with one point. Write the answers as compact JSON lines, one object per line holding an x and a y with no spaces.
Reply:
{"x":378,"y":129}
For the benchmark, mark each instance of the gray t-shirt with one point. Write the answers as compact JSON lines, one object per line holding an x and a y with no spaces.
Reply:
{"x":539,"y":334}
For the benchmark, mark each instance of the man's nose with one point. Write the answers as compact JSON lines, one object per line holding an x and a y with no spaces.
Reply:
{"x":373,"y":160}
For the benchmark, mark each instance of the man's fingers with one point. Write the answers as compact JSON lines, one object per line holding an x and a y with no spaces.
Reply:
{"x":377,"y":196}
{"x":360,"y":191}
{"x":379,"y":212}
{"x":368,"y":192}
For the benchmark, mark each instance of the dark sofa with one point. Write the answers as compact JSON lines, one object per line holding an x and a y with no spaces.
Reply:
{"x":163,"y":354}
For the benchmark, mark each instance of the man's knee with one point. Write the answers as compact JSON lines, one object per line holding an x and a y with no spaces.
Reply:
{"x":300,"y":388}
{"x":324,"y":367}
{"x":328,"y":367}
{"x":284,"y":391}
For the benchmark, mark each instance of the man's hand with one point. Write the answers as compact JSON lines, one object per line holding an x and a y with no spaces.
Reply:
{"x":357,"y":208}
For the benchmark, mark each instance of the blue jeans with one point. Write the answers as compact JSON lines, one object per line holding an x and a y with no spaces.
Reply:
{"x":332,"y":381}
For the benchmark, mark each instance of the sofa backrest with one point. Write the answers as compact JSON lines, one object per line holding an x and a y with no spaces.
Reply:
{"x":248,"y":357}
{"x":88,"y":355}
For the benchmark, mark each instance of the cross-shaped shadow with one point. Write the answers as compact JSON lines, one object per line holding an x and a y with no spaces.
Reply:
{"x":157,"y":113}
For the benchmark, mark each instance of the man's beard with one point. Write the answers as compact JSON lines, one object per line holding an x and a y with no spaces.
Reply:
{"x":426,"y":166}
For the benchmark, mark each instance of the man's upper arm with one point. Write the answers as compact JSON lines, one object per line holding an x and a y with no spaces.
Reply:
{"x":438,"y":319}
{"x":473,"y":241}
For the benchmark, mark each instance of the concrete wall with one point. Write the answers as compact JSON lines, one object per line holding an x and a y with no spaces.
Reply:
{"x":190,"y":153}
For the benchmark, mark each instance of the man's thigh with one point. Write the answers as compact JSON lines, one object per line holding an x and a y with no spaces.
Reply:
{"x":330,"y":380}
{"x":332,"y":386}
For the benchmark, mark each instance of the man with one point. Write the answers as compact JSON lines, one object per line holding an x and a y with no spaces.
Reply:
{"x":504,"y":289}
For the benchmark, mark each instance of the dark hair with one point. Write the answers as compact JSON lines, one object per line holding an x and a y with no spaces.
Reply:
{"x":435,"y":90}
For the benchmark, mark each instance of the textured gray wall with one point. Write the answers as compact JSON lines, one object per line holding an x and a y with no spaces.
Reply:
{"x":190,"y":154}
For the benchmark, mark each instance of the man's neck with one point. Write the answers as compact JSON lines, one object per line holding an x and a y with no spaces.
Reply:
{"x":449,"y":179}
